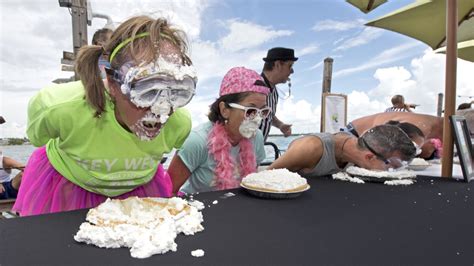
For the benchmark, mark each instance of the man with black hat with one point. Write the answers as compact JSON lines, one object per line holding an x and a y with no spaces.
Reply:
{"x":277,"y":69}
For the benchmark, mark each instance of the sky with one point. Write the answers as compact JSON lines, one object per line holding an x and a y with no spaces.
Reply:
{"x":370,"y":64}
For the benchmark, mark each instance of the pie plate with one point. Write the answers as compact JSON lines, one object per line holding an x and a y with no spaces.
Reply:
{"x":263,"y":193}
{"x":418,"y":167}
{"x":379,"y":176}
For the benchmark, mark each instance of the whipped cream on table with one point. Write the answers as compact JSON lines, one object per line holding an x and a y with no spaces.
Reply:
{"x":147,"y":226}
{"x":276,"y":180}
{"x":357,"y":171}
{"x":197,"y":253}
{"x":345,"y":177}
{"x":402,"y":182}
{"x":419,"y":161}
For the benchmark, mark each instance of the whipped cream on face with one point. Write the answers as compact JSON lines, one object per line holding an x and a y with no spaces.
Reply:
{"x":275,"y":179}
{"x":248,"y":128}
{"x":161,"y":108}
{"x":148,"y":127}
{"x":147,"y":226}
{"x":160,"y":66}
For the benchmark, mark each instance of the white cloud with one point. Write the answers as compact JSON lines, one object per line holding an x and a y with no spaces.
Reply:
{"x":304,"y":117}
{"x":316,"y":65}
{"x":388,"y":56}
{"x":186,"y":14}
{"x":367,"y":35}
{"x":419,"y":84}
{"x":335,"y":25}
{"x":310,"y":49}
{"x":245,"y":35}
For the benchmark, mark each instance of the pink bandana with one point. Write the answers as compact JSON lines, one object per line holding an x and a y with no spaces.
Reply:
{"x":241,"y":79}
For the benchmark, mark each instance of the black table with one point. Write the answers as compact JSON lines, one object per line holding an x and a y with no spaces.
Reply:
{"x":333,"y":223}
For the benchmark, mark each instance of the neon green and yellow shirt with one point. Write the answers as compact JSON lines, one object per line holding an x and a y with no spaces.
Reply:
{"x":97,"y":154}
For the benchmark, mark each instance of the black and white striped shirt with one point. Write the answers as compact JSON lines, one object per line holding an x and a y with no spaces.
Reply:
{"x":272,"y":101}
{"x":396,"y":109}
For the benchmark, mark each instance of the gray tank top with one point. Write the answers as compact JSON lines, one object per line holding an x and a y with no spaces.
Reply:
{"x":327,"y":165}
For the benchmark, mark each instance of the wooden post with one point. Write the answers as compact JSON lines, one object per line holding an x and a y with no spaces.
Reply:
{"x":450,"y":88}
{"x":439,"y":111}
{"x":327,"y":76}
{"x":78,"y":10}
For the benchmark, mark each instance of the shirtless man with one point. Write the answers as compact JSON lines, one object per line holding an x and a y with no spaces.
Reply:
{"x":431,"y":126}
{"x":380,"y":148}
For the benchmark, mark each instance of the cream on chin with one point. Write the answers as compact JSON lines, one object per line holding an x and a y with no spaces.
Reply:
{"x":148,"y":127}
{"x":248,"y":128}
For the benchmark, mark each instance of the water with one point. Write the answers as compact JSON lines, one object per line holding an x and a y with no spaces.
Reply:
{"x":282,"y":144}
{"x":21,"y":153}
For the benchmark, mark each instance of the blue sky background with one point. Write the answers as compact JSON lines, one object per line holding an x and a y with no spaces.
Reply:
{"x":370,"y":64}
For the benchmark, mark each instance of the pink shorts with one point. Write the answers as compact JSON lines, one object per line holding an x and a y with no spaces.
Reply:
{"x":45,"y":190}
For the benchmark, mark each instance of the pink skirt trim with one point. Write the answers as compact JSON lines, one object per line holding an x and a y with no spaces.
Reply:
{"x":45,"y":190}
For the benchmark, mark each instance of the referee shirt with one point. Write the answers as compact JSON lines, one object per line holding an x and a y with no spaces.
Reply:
{"x":396,"y":109}
{"x":272,"y":101}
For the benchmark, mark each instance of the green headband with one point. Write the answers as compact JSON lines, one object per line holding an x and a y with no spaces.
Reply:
{"x":122,"y":44}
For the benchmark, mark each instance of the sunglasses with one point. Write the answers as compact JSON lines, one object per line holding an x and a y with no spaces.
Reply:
{"x":392,"y":162}
{"x":252,"y":112}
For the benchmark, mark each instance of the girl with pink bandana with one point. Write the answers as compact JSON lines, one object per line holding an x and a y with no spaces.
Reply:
{"x":219,"y":153}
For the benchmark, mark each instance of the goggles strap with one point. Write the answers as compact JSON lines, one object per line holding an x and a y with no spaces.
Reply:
{"x":125,"y":42}
{"x":128,"y":40}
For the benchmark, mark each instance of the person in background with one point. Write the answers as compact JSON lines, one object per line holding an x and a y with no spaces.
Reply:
{"x":413,"y":132}
{"x":277,"y":69}
{"x":399,"y":105}
{"x":9,"y":184}
{"x":382,"y":147}
{"x":100,"y":38}
{"x":104,"y":139}
{"x":219,"y":153}
{"x":431,"y":126}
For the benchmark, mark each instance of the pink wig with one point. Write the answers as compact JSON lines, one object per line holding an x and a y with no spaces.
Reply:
{"x":219,"y":147}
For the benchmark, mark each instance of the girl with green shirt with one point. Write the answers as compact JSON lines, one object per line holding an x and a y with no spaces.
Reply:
{"x":105,"y":138}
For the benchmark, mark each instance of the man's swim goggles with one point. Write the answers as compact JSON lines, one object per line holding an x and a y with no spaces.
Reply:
{"x":148,"y":84}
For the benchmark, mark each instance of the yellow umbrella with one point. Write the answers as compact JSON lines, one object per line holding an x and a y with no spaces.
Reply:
{"x":366,"y":5}
{"x":436,"y":23}
{"x":465,"y":50}
{"x":425,"y":20}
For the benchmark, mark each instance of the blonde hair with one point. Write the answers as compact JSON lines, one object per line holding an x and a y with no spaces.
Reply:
{"x":144,"y":47}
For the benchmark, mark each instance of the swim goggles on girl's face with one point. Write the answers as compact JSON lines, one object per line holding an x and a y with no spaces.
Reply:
{"x":147,"y":91}
{"x":252,"y":112}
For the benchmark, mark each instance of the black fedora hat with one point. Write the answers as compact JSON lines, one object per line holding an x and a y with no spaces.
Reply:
{"x":280,"y":53}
